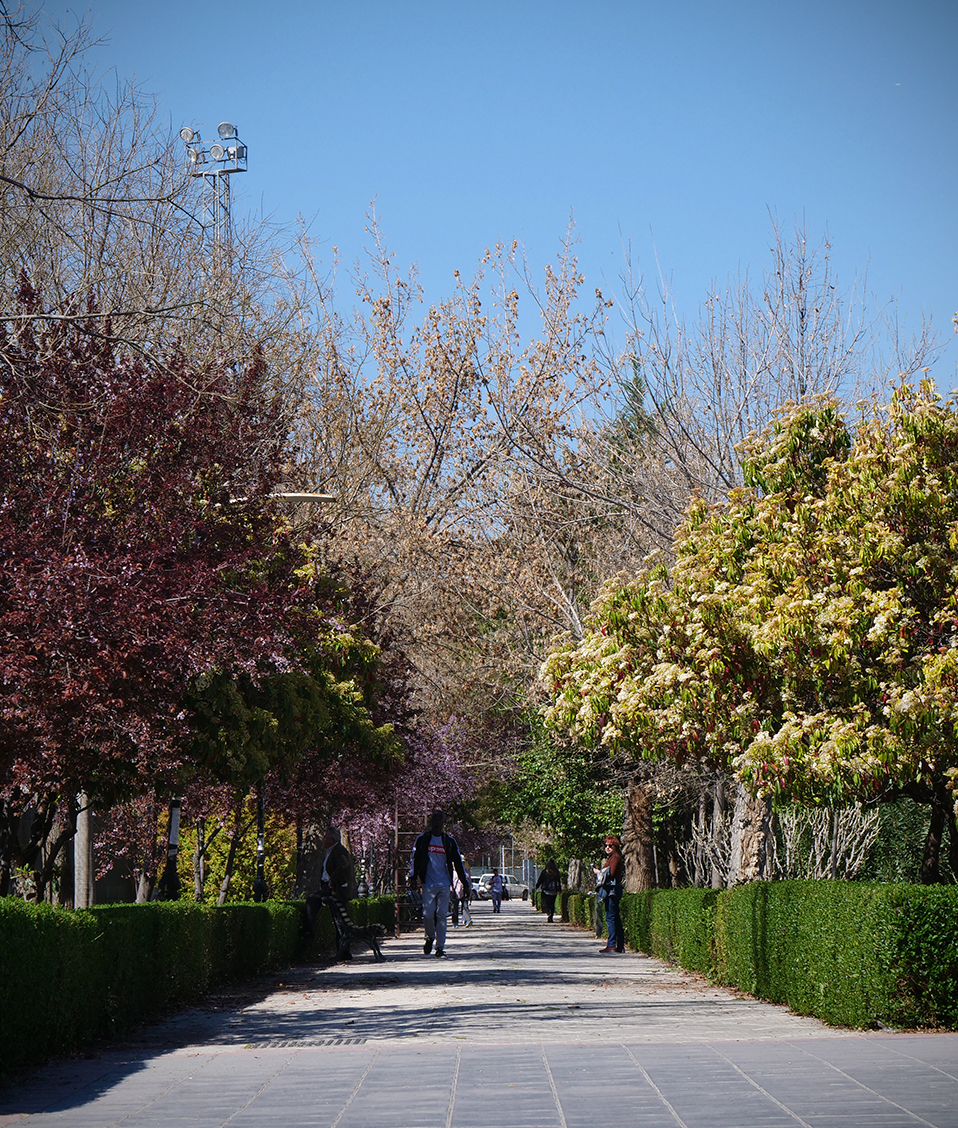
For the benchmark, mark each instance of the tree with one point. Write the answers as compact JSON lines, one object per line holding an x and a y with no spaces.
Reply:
{"x":97,"y":208}
{"x":565,"y":795}
{"x":805,"y":635}
{"x":127,"y":570}
{"x":492,"y":473}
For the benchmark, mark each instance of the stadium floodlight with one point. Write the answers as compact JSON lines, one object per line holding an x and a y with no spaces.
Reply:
{"x":214,"y":166}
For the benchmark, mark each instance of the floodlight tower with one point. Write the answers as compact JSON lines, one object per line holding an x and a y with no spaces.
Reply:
{"x":216,"y":165}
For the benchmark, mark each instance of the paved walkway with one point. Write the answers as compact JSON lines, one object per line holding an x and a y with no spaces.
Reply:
{"x":524,"y":1024}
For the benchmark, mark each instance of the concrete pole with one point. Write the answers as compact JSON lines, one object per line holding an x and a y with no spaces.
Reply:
{"x":83,"y":856}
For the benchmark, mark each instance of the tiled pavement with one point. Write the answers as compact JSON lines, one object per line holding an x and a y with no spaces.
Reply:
{"x":525,"y":1025}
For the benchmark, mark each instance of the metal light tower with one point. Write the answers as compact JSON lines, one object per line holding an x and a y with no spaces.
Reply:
{"x":216,"y":165}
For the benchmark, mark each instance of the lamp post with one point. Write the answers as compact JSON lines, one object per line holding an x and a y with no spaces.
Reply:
{"x":260,"y":888}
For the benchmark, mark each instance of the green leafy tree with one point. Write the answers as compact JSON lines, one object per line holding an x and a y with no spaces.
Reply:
{"x":567,"y":793}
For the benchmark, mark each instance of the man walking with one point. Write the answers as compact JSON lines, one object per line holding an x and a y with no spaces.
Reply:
{"x":434,"y":858}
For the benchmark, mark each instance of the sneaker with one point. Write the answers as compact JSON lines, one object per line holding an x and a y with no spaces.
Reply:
{"x":427,"y":947}
{"x":440,"y":953}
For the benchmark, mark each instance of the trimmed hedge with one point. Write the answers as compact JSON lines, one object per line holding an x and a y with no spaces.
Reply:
{"x":849,"y":953}
{"x":69,"y":977}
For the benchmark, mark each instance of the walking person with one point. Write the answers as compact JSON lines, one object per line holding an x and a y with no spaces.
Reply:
{"x":465,"y":899}
{"x":608,"y":887}
{"x":550,"y":884}
{"x":460,"y":904}
{"x":435,"y":859}
{"x":496,"y":888}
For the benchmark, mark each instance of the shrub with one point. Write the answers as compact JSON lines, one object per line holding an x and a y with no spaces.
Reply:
{"x":69,"y":977}
{"x":849,"y":953}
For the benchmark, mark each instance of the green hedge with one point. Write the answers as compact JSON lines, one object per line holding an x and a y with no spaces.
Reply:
{"x":69,"y":977}
{"x":850,"y":953}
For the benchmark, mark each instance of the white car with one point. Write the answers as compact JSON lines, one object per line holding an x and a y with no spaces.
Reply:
{"x":517,"y":890}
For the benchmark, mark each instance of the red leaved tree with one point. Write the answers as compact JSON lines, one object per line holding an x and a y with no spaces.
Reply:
{"x":126,"y":569}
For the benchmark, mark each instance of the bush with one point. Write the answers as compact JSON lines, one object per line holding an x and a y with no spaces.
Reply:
{"x":69,"y":977}
{"x":849,"y":953}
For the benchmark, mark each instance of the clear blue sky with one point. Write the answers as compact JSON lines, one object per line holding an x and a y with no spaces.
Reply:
{"x":675,"y":125}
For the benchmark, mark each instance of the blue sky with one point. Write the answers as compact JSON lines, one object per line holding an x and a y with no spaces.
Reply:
{"x":676,"y":126}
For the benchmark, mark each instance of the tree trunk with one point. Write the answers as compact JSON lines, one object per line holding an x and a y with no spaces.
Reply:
{"x":144,"y":888}
{"x":637,"y":837}
{"x":953,"y":841}
{"x":833,"y":864}
{"x":575,"y":874}
{"x":6,"y":847}
{"x":931,"y":860}
{"x":52,"y":854}
{"x":199,"y":861}
{"x":83,"y":856}
{"x":698,"y":879}
{"x":719,"y":810}
{"x":231,"y":856}
{"x":147,"y":880}
{"x":298,"y":890}
{"x":309,"y":859}
{"x":750,"y":832}
{"x":678,"y":878}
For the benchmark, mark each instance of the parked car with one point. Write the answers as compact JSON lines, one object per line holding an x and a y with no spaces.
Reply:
{"x":517,"y":890}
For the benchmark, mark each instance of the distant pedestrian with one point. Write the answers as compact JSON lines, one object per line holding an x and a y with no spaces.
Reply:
{"x":550,"y":884}
{"x":496,"y":889}
{"x":460,"y":902}
{"x":435,"y":858}
{"x":608,"y":888}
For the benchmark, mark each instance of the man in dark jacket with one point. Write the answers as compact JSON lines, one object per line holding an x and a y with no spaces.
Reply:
{"x":434,"y":858}
{"x":338,"y":870}
{"x":336,"y":882}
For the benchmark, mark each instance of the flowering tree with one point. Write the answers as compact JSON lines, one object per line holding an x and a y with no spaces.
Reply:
{"x":806,"y":635}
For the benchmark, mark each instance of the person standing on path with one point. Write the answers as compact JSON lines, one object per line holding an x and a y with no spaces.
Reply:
{"x":550,"y":884}
{"x":609,"y":891}
{"x":434,"y":858}
{"x":496,"y":887}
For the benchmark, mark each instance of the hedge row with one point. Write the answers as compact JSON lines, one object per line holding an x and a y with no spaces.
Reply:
{"x":69,"y":977}
{"x":850,"y":953}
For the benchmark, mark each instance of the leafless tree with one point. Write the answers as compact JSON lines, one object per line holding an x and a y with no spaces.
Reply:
{"x":98,"y":212}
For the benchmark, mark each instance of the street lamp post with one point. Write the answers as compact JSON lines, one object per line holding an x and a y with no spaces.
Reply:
{"x":260,"y":888}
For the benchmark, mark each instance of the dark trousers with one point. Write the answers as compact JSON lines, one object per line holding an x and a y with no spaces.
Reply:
{"x":614,"y":921}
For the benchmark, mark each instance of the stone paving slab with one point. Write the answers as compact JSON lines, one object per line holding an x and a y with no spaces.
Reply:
{"x":524,"y":1025}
